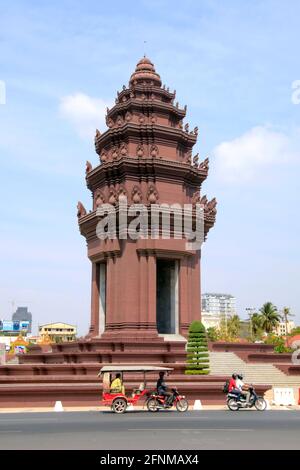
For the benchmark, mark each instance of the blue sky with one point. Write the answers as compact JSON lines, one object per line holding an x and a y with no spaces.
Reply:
{"x":233,"y":63}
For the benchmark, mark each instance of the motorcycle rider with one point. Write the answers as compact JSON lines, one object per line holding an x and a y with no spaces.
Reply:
{"x":233,"y":388}
{"x":244,"y":388}
{"x":162,"y":388}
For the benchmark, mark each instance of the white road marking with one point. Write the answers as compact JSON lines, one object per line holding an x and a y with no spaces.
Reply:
{"x":189,"y":429}
{"x":6,"y":432}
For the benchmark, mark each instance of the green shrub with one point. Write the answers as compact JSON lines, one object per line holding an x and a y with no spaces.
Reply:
{"x":197,"y":361}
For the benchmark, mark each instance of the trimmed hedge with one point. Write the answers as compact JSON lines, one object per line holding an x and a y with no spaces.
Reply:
{"x":197,"y":362}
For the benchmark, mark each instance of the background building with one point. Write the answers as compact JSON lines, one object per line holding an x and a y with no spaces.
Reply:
{"x":283,"y":328}
{"x":58,"y":332}
{"x":218,"y":304}
{"x":22,"y":314}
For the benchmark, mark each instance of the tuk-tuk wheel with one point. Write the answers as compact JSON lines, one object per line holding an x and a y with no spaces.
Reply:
{"x":119,"y":405}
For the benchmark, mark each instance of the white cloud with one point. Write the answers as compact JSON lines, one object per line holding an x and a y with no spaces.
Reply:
{"x":84,"y":112}
{"x":245,"y":157}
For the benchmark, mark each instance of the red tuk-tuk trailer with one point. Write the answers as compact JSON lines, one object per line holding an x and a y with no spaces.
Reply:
{"x":120,"y":401}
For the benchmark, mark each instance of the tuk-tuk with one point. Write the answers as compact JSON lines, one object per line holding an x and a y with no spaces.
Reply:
{"x":119,"y":401}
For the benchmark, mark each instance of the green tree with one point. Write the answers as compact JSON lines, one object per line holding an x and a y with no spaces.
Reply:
{"x":270,"y":317}
{"x":197,"y":362}
{"x":212,"y":333}
{"x":286,"y":313}
{"x":256,"y":326}
{"x":233,"y":326}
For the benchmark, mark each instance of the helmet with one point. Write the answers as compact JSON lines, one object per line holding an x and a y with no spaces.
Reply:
{"x":240,"y":376}
{"x":234,"y":376}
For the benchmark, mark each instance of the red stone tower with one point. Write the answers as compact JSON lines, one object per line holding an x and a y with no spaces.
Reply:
{"x":148,"y":286}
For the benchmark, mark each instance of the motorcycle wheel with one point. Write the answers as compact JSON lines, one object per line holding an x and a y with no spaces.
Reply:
{"x":233,"y":405}
{"x":182,"y":405}
{"x":119,"y":405}
{"x":260,"y":404}
{"x":152,"y":405}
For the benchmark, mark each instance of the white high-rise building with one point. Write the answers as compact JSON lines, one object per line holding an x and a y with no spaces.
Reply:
{"x":216,"y":306}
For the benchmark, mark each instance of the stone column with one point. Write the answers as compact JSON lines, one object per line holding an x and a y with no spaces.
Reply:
{"x":94,"y":328}
{"x":151,"y":292}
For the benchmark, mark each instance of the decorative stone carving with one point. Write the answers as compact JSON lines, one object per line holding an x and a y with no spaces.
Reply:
{"x":140,"y":151}
{"x":152,"y":194}
{"x":128,"y":116}
{"x":112,"y":196}
{"x":141,"y":118}
{"x":123,"y":149}
{"x":136,"y":195}
{"x":189,"y":158}
{"x":99,"y":198}
{"x":205,"y":164}
{"x":122,"y":194}
{"x":196,"y":160}
{"x":119,"y":121}
{"x":212,"y":207}
{"x":180,"y":125}
{"x":132,"y":95}
{"x":123,"y":87}
{"x":109,"y":122}
{"x":103,"y":156}
{"x":154,"y":151}
{"x":153,"y":118}
{"x":186,"y":127}
{"x":196,"y":198}
{"x":124,"y":98}
{"x":203,"y":200}
{"x":114,"y":153}
{"x":98,"y":134}
{"x":81,"y":212}
{"x":196,"y":130}
{"x":88,"y":167}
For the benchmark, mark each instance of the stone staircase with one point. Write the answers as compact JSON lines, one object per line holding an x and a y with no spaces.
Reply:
{"x":226,"y":363}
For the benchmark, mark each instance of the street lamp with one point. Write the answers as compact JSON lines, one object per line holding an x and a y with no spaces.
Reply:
{"x":251,"y":311}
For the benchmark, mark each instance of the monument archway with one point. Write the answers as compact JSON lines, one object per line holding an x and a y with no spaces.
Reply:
{"x":167,"y":320}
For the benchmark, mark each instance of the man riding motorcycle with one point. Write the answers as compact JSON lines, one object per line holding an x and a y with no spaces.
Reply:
{"x":244,"y":388}
{"x":233,"y":388}
{"x":162,"y":388}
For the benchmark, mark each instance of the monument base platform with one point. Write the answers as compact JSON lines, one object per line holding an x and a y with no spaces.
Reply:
{"x":69,"y":373}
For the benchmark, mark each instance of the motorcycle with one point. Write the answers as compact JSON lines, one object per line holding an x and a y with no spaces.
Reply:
{"x":158,"y":402}
{"x":234,"y":403}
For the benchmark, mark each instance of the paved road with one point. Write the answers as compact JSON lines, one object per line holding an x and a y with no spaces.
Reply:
{"x":142,"y":430}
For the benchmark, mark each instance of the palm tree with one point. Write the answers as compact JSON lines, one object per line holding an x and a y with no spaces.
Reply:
{"x":233,"y":326}
{"x":285,"y":314}
{"x":256,"y":325}
{"x":270,"y":317}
